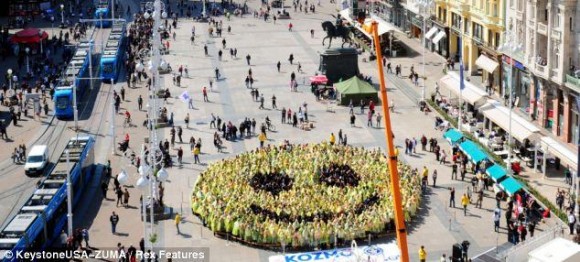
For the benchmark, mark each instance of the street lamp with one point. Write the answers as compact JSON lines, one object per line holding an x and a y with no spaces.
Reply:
{"x":52,"y":26}
{"x":509,"y":46}
{"x":9,"y":78}
{"x":27,"y":50}
{"x":425,"y":7}
{"x":41,"y":34}
{"x":62,"y":15}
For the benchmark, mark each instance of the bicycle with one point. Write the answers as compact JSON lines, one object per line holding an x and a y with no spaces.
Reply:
{"x":270,"y":127}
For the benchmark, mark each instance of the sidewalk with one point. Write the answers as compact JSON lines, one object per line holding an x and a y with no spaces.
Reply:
{"x":547,"y":185}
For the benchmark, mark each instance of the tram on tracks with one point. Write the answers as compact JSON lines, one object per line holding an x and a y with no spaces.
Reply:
{"x":102,"y":12}
{"x":76,"y":76}
{"x":38,"y":224}
{"x":112,"y":61}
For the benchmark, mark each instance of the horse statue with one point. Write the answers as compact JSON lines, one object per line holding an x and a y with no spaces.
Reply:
{"x":333,"y":31}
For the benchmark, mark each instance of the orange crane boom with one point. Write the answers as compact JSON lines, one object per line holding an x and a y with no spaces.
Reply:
{"x":392,"y":157}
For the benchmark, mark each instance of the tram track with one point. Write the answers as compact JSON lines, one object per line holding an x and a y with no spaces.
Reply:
{"x":53,"y":137}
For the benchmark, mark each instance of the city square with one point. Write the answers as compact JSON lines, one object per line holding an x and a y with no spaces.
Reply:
{"x":171,"y":147}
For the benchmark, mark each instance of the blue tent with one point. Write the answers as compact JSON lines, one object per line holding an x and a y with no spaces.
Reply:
{"x":496,"y":172}
{"x":472,"y":151}
{"x":453,"y":136}
{"x":510,"y":185}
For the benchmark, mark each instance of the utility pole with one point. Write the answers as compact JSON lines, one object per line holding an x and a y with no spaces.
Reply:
{"x":69,"y":200}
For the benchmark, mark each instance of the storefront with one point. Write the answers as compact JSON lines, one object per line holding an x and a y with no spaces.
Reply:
{"x":416,"y":24}
{"x":520,"y":82}
{"x":488,"y":61}
{"x":440,"y":41}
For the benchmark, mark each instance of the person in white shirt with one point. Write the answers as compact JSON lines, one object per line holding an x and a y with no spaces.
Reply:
{"x":571,"y":222}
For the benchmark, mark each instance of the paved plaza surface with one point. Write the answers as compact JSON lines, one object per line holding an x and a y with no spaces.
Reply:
{"x":437,"y":227}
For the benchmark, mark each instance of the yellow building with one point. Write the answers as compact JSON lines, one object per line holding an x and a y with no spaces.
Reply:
{"x":476,"y":26}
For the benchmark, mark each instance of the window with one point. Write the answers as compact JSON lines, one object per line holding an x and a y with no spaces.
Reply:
{"x":466,"y":27}
{"x":557,"y":19}
{"x":477,"y":31}
{"x":570,"y":24}
{"x":495,"y":10}
{"x":512,"y":4}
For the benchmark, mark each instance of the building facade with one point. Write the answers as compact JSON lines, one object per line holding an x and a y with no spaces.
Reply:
{"x":476,"y":27}
{"x":547,"y":82}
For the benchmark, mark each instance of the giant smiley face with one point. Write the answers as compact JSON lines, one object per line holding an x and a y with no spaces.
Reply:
{"x":301,"y":196}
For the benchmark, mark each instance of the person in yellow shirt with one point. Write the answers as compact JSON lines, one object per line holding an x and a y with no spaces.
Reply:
{"x":422,"y":254}
{"x":332,"y":139}
{"x":196,"y":152}
{"x":262,"y":137}
{"x":464,"y":203}
{"x":177,"y":221}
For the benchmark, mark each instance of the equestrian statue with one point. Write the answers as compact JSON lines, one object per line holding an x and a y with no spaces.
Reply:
{"x":338,"y":30}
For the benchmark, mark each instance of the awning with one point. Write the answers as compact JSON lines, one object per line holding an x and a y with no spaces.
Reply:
{"x":496,"y":172}
{"x":486,"y":63}
{"x":438,"y":37}
{"x":499,"y":114}
{"x":384,"y":26}
{"x":562,"y":152}
{"x":472,"y":94}
{"x":510,"y":185}
{"x":452,"y":135}
{"x":345,"y":14}
{"x":472,"y":151}
{"x":431,"y":32}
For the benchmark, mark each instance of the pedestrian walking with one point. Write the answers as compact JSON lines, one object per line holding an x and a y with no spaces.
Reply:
{"x":496,"y":219}
{"x":422,"y":254}
{"x":464,"y":203}
{"x":180,"y":155}
{"x":114,"y":219}
{"x":205,"y":97}
{"x":205,"y":50}
{"x":123,"y":93}
{"x":352,"y":120}
{"x":119,"y":193}
{"x":104,"y":188}
{"x":261,"y":101}
{"x":140,"y":102}
{"x":178,"y":220}
{"x":196,"y":152}
{"x":434,"y":177}
{"x":179,"y":133}
{"x":126,"y":198}
{"x":291,"y":59}
{"x":452,"y":197}
{"x":248,"y":58}
{"x":190,"y":103}
{"x":571,"y":221}
{"x":378,"y":125}
{"x":278,"y":65}
{"x":274,"y":102}
{"x":290,"y":27}
{"x":85,"y":235}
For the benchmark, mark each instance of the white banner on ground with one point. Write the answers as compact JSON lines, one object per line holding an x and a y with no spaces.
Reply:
{"x":376,"y":253}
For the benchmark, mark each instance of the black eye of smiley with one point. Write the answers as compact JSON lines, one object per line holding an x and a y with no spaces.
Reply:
{"x":271,"y":182}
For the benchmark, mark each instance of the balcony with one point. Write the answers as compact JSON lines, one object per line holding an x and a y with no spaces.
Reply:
{"x":572,"y":82}
{"x":542,"y":71}
{"x":520,"y":15}
{"x":557,"y":35}
{"x":542,"y":29}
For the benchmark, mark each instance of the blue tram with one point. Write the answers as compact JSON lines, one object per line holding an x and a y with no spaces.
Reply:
{"x":103,"y":11}
{"x":75,"y":76}
{"x":43,"y":217}
{"x":112,"y":62}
